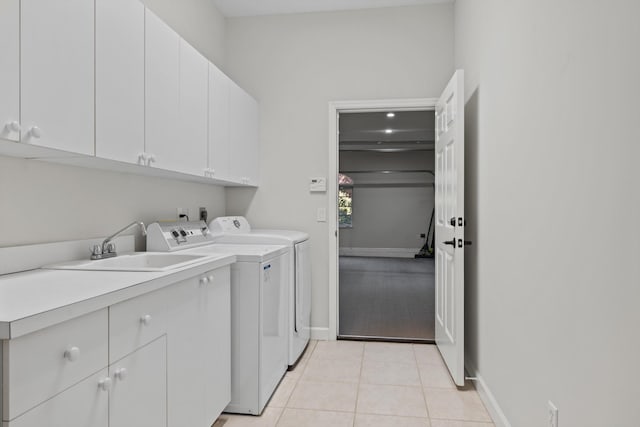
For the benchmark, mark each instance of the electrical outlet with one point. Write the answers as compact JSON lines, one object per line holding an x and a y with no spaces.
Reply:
{"x":552,"y":414}
{"x":182,"y":211}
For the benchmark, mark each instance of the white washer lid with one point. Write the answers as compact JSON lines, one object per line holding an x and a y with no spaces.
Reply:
{"x":246,"y":253}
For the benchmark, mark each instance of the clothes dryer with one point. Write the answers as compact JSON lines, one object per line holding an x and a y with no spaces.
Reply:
{"x":236,"y":229}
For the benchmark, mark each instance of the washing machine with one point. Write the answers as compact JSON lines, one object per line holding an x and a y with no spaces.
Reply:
{"x":236,"y":229}
{"x":259,"y":300}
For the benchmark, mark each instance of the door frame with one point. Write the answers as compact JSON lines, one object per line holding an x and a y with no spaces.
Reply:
{"x":335,"y":108}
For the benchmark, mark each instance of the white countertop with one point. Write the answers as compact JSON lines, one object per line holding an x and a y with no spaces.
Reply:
{"x":36,"y":299}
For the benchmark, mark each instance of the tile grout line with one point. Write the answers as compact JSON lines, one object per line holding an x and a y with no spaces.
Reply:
{"x":355,"y":410}
{"x":424,"y":396}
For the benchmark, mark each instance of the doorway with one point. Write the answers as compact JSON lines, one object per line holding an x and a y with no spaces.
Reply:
{"x":385,"y":204}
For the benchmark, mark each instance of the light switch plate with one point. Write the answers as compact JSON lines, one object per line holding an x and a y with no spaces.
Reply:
{"x":322,"y":215}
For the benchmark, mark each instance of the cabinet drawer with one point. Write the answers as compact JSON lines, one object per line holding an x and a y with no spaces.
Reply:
{"x":83,"y":405}
{"x":136,"y":322}
{"x":39,"y":365}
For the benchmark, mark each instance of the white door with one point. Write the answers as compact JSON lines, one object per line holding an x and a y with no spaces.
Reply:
{"x":449,"y":234}
{"x":10,"y":69}
{"x":219,"y":147}
{"x":120,"y":80}
{"x":57,"y":74}
{"x":191,"y":153}
{"x":162,"y":93}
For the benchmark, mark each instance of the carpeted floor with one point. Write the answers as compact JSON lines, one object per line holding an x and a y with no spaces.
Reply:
{"x":387,"y":298}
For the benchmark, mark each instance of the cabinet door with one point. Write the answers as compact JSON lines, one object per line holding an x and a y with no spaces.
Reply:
{"x":120,"y":80}
{"x":10,"y":69}
{"x":162,"y":95}
{"x":191,"y":148}
{"x":243,"y":133}
{"x":216,"y":342}
{"x":57,"y":74}
{"x":83,"y":405}
{"x":184,"y":356}
{"x":219,"y":144}
{"x":138,"y":395}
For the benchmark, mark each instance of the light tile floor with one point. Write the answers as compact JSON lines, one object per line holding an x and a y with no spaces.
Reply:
{"x":368,"y":384}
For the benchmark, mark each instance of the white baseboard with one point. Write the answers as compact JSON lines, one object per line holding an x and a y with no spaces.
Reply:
{"x":320,"y":334}
{"x":487,"y":397}
{"x":380,"y":252}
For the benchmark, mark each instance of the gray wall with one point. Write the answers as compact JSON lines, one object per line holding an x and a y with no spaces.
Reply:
{"x":295,"y":65}
{"x":552,"y":184}
{"x":44,"y":202}
{"x":388,"y":212}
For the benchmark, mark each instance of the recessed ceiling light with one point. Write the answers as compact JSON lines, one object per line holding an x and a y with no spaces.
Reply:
{"x":391,"y":115}
{"x":388,"y":131}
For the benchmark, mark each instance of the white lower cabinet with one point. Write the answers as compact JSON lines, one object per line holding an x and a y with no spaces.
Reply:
{"x":199,"y":362}
{"x":138,"y":395}
{"x":161,"y":359}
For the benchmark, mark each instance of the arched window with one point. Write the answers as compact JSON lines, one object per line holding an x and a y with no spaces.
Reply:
{"x":345,"y":201}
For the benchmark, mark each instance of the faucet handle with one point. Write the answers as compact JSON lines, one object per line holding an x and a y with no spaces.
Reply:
{"x":97,"y":250}
{"x":111,"y":248}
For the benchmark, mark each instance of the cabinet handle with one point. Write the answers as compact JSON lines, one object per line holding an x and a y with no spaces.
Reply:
{"x":72,"y":354}
{"x":146,"y":320}
{"x":13,"y":126}
{"x":105,"y":384}
{"x":35,"y":132}
{"x":120,"y":374}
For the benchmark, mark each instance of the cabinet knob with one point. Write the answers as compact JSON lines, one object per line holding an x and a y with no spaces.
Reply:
{"x":210,"y":278}
{"x":35,"y":132}
{"x":105,"y":384}
{"x":120,"y":374}
{"x":146,"y":320}
{"x":151,"y":158}
{"x":204,"y":280}
{"x":13,"y":126}
{"x":142,"y":159}
{"x":72,"y":354}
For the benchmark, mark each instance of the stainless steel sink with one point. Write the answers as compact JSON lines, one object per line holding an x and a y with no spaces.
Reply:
{"x":136,"y":261}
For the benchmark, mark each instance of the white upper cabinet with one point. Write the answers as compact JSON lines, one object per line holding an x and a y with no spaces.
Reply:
{"x":219,"y":84}
{"x":120,"y":80}
{"x":243,"y":136}
{"x":57,"y":74}
{"x":162,"y":94}
{"x":190,"y":150}
{"x":10,"y":69}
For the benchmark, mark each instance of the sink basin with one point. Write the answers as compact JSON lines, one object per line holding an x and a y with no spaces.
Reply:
{"x":137,"y":261}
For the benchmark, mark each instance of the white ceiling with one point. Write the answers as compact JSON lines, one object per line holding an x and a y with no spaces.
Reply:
{"x":235,"y":8}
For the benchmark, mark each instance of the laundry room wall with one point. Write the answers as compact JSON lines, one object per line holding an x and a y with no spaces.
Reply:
{"x":552,"y":204}
{"x":390,"y":211}
{"x":45,"y":202}
{"x":295,"y":65}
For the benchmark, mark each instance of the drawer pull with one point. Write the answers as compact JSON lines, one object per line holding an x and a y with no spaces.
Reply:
{"x":146,"y":320}
{"x":120,"y":374}
{"x":72,"y":354}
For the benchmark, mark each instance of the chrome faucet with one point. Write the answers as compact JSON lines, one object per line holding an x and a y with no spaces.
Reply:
{"x":108,"y":249}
